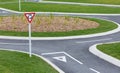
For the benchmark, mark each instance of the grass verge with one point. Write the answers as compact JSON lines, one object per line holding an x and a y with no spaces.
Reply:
{"x":45,"y":7}
{"x":104,"y":27}
{"x":16,"y":62}
{"x":91,"y":1}
{"x":10,"y":0}
{"x":111,"y":49}
{"x":80,"y":1}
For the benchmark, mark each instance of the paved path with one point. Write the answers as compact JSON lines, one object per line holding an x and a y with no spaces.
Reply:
{"x":75,"y":52}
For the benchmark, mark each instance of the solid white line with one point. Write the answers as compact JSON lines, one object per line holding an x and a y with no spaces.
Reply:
{"x":95,"y":40}
{"x":72,"y":58}
{"x":94,"y":70}
{"x":13,"y":43}
{"x":51,"y":53}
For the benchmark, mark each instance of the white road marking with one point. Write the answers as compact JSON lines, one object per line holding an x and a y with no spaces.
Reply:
{"x":51,"y":53}
{"x":95,"y":40}
{"x":94,"y":70}
{"x":61,"y":58}
{"x":63,"y":53}
{"x":13,"y":43}
{"x":72,"y":58}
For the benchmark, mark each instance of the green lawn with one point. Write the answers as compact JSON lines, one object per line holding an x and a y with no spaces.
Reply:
{"x":10,"y":0}
{"x":44,"y":7}
{"x":104,"y":26}
{"x":16,"y":62}
{"x":91,"y":1}
{"x":80,"y":1}
{"x":111,"y":49}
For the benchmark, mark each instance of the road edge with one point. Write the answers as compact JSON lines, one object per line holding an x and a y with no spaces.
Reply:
{"x":93,"y":49}
{"x":47,"y":61}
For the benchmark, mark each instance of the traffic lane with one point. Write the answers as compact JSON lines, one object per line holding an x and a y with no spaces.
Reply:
{"x":80,"y":52}
{"x":21,"y":45}
{"x":5,"y":13}
{"x":60,"y":45}
{"x":67,"y":63}
{"x":56,"y":45}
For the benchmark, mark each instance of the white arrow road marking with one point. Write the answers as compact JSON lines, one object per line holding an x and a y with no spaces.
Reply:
{"x":94,"y":40}
{"x":94,"y":70}
{"x":61,"y":58}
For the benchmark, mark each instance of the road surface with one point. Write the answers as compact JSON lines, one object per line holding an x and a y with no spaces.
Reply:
{"x":72,"y":56}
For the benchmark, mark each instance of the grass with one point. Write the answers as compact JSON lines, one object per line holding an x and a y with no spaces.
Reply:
{"x":10,"y":0}
{"x":80,"y":1}
{"x":111,"y":49}
{"x":91,"y":1}
{"x":45,"y":7}
{"x":16,"y":62}
{"x":104,"y":26}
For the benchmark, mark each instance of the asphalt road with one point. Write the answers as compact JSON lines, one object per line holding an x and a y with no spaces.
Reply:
{"x":75,"y":52}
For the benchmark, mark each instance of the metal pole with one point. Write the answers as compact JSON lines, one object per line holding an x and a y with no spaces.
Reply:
{"x":19,"y":5}
{"x":30,"y":44}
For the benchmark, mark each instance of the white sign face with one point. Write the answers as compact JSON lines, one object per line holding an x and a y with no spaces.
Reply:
{"x":30,"y":16}
{"x":61,"y":58}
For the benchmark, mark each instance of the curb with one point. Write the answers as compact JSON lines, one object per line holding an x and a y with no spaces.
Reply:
{"x":50,"y":63}
{"x":93,"y":49}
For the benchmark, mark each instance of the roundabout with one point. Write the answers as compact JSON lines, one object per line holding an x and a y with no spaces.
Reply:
{"x":71,"y":55}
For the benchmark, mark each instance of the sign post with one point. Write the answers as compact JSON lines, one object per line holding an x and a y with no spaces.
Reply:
{"x":30,"y":17}
{"x":19,"y":5}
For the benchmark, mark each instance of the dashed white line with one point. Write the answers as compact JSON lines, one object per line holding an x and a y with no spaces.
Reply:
{"x":95,"y":40}
{"x":94,"y":70}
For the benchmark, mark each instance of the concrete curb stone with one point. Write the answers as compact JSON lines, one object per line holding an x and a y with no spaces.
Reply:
{"x":93,"y":49}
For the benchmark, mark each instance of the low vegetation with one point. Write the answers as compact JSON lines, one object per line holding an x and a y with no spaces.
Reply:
{"x":45,"y":7}
{"x":111,"y":49}
{"x":79,"y":1}
{"x":99,"y":26}
{"x":92,"y":1}
{"x":46,"y":24}
{"x":10,"y":0}
{"x":15,"y":62}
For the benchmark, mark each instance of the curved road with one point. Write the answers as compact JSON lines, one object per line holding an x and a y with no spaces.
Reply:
{"x":78,"y":58}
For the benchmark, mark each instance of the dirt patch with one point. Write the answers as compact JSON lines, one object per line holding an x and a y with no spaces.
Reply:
{"x":46,"y":24}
